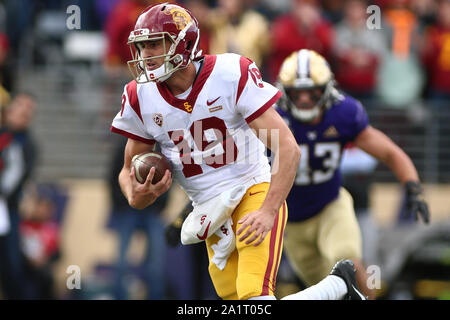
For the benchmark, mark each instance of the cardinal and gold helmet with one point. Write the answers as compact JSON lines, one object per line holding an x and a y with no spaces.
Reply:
{"x":173,"y":24}
{"x":306,"y":71}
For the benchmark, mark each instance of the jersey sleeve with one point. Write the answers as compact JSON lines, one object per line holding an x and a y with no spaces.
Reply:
{"x":129,"y":122}
{"x":254,"y":96}
{"x":359,"y":117}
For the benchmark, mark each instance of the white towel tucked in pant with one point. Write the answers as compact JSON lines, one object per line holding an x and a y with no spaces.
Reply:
{"x":214,"y":217}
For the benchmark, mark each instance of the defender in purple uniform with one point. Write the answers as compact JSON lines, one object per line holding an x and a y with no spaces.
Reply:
{"x":322,"y":227}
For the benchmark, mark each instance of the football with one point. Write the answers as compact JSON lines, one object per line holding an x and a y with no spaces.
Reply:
{"x":143,"y":162}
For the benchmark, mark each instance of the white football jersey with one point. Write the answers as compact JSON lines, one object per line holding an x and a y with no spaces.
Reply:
{"x":206,"y":135}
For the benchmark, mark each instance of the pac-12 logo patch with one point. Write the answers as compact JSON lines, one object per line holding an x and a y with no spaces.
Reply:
{"x":158,"y":118}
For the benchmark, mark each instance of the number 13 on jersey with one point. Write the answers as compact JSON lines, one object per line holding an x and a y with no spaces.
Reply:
{"x":328,"y":152}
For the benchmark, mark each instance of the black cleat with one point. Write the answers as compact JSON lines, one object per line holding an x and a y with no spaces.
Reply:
{"x":345,"y":269}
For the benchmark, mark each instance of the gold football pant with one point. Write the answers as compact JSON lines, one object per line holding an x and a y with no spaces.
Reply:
{"x":250,"y":271}
{"x":313,"y":246}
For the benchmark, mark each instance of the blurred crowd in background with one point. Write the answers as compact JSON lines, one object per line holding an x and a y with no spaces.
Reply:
{"x":397,"y":61}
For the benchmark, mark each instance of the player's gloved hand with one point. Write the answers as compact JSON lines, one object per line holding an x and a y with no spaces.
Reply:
{"x":415,"y":204}
{"x":173,"y":233}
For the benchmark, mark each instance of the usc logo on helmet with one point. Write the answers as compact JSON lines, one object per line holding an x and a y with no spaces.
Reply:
{"x":179,"y":16}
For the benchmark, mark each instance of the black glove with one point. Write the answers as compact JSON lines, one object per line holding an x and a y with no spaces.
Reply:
{"x":415,"y":204}
{"x":172,"y":234}
{"x":173,"y":230}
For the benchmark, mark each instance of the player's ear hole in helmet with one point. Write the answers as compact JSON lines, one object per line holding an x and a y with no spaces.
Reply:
{"x":307,"y":84}
{"x":180,"y":35}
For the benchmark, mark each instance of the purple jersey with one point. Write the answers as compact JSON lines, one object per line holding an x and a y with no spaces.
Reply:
{"x":318,"y":176}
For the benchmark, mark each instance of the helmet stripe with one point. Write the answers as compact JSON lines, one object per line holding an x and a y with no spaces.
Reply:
{"x":303,"y":64}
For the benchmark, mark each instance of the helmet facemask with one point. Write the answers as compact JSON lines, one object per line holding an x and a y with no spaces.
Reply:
{"x":321,"y":101}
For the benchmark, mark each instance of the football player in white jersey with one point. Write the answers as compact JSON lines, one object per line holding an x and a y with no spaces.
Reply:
{"x":207,"y":113}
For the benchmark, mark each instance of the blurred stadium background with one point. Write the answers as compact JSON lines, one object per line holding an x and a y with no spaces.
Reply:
{"x":77,"y":77}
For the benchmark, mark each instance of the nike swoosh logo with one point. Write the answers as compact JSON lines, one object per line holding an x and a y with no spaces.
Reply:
{"x":210,"y":103}
{"x":253,"y":193}
{"x":205,"y":234}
